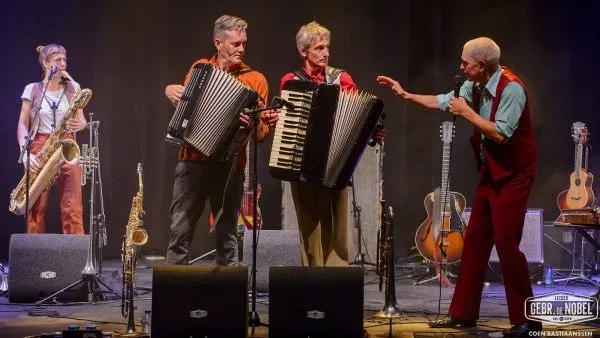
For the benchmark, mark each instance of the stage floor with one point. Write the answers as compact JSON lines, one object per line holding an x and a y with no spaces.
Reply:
{"x":418,"y":303}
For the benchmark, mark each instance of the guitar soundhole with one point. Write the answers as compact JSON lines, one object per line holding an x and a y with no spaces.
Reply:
{"x":577,"y":181}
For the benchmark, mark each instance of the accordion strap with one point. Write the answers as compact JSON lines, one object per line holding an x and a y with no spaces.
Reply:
{"x":332,"y":75}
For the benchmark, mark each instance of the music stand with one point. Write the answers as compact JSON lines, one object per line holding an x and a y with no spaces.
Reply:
{"x":90,"y":275}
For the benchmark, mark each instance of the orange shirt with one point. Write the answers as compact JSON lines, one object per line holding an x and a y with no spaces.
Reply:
{"x":252,"y":79}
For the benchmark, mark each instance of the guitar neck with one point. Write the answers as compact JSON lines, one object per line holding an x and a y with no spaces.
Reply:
{"x":445,"y":172}
{"x":578,"y":158}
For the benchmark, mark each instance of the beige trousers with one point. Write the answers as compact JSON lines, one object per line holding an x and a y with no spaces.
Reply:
{"x":323,"y":223}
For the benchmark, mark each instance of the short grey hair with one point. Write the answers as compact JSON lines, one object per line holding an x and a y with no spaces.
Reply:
{"x":226,"y":23}
{"x":310,"y":32}
{"x":47,"y":51}
{"x":485,"y":49}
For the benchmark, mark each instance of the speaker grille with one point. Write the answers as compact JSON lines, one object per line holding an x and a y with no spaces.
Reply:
{"x":532,"y":243}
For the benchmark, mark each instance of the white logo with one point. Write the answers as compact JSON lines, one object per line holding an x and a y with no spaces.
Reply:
{"x":48,"y":274}
{"x":315,"y":314}
{"x":561,"y":308}
{"x":198,"y":314}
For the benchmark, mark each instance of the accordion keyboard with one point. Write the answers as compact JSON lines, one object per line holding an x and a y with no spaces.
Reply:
{"x":290,"y":132}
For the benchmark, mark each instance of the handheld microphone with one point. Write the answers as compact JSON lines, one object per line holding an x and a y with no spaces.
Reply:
{"x":53,"y":71}
{"x":457,"y":84}
{"x":278,"y":101}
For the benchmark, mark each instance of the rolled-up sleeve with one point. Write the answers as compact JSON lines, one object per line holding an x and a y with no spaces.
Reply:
{"x":466,"y":91}
{"x":510,"y":108}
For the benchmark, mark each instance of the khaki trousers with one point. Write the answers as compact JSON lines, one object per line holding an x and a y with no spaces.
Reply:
{"x":323,"y":223}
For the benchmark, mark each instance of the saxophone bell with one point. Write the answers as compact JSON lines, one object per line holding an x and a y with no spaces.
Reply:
{"x":139,"y":237}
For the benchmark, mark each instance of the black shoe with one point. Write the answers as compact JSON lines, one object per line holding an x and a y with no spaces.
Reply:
{"x":449,"y":322}
{"x":523,"y":329}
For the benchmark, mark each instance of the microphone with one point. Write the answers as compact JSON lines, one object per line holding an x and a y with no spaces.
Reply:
{"x":457,"y":84}
{"x":53,"y":71}
{"x":278,"y":101}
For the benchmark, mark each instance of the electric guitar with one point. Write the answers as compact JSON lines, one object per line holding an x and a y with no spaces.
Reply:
{"x":580,"y":194}
{"x":440,"y":237}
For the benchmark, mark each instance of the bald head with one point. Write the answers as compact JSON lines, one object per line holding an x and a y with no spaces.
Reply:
{"x":483,"y":49}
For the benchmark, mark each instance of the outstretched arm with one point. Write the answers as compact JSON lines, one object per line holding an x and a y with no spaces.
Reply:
{"x":426,"y":101}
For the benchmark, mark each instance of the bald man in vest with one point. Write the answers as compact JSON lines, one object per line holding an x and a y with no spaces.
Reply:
{"x":494,"y":101}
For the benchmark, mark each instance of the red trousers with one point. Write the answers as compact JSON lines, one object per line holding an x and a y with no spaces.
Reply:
{"x":497,"y":217}
{"x":68,"y":184}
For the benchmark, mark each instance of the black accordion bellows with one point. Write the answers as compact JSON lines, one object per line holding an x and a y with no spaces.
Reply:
{"x":207,"y":117}
{"x":323,"y":138}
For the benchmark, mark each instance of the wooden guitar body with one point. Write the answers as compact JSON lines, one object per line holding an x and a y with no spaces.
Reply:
{"x":428,"y":242}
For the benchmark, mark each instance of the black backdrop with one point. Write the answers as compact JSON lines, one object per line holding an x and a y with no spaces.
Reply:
{"x":127,"y":51}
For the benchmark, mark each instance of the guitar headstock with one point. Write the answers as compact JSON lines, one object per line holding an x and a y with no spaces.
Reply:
{"x":447,"y":131}
{"x":579,"y":133}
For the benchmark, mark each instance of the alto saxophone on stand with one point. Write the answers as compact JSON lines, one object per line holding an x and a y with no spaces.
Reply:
{"x":135,"y":237}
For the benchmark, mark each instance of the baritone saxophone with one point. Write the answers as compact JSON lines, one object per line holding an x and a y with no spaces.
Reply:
{"x":57,"y":150}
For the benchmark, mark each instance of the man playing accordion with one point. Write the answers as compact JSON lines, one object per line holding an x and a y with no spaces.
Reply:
{"x":321,"y":211}
{"x":198,"y":178}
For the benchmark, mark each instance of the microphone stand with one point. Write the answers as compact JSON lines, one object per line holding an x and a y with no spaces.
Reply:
{"x":26,"y":150}
{"x":253,"y":318}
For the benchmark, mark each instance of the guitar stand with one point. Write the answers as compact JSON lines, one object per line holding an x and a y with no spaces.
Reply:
{"x":428,"y":277}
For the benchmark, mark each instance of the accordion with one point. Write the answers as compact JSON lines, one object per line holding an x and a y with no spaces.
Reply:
{"x":207,"y":117}
{"x":323,"y":138}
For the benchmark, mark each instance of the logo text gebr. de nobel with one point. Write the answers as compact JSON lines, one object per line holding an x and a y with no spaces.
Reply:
{"x":561,"y":308}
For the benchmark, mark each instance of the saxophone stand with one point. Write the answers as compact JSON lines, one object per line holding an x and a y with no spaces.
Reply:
{"x":277,"y":103}
{"x":90,"y":275}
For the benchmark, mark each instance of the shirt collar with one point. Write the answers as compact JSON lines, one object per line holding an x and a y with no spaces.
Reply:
{"x":319,"y":77}
{"x":492,"y":84}
{"x":236,"y":68}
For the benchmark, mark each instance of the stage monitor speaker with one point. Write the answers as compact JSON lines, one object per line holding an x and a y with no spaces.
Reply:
{"x":316,"y":302}
{"x":200,"y":301}
{"x":275,"y":248}
{"x":532,"y":243}
{"x":41,"y":264}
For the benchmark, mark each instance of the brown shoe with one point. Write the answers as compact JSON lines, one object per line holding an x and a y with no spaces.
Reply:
{"x":450,"y":322}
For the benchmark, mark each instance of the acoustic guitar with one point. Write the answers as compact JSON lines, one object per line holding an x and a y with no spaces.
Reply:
{"x":580,"y":194}
{"x":440,"y":237}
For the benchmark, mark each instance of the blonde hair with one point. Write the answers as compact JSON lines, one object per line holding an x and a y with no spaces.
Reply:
{"x":48,"y":50}
{"x":485,"y":49}
{"x":227,"y":23}
{"x":310,"y":32}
